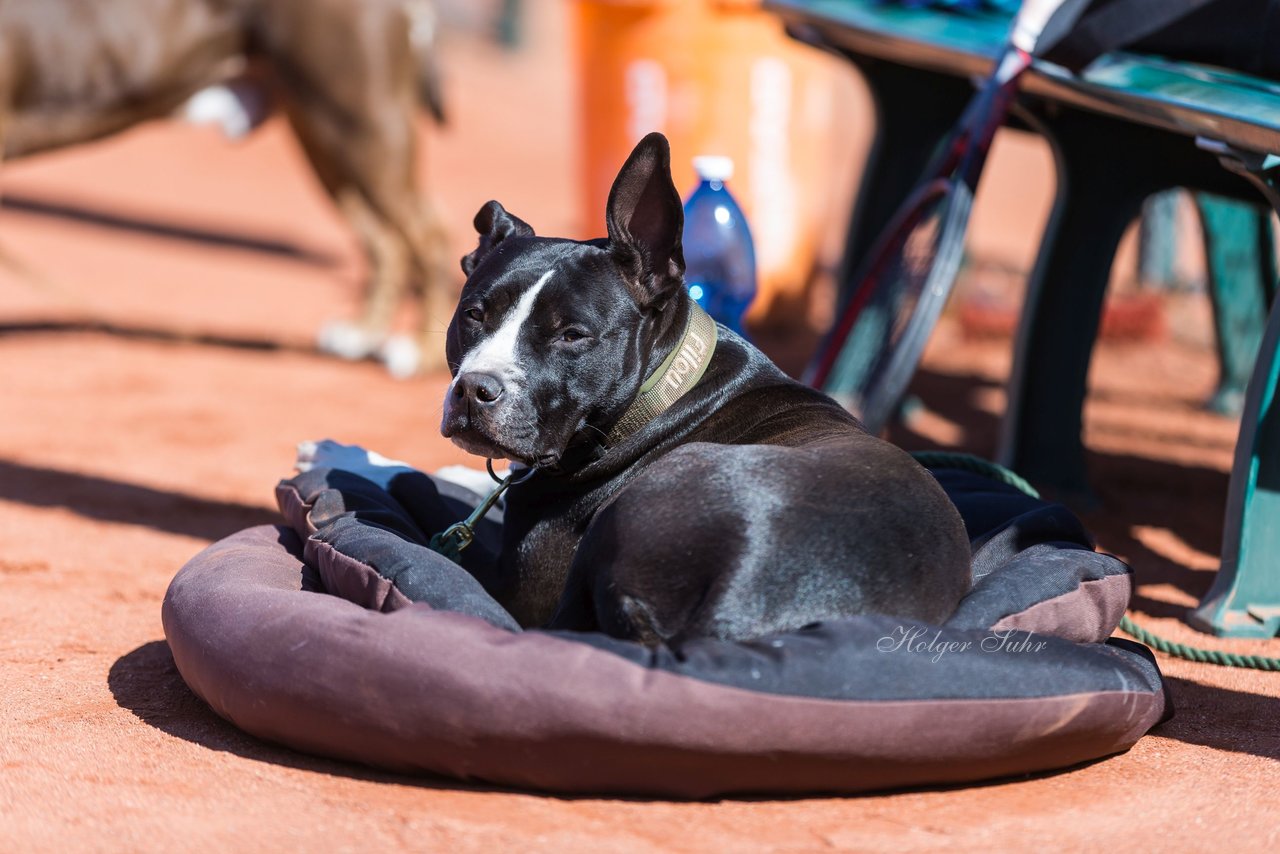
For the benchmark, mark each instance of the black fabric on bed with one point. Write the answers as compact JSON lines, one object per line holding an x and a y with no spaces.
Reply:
{"x":1034,"y":574}
{"x":1002,"y":520}
{"x":1040,"y":553}
{"x":416,"y":571}
{"x":985,"y":504}
{"x":846,"y":660}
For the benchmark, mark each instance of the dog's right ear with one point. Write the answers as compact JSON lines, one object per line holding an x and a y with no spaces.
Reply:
{"x":646,"y":221}
{"x":494,"y":225}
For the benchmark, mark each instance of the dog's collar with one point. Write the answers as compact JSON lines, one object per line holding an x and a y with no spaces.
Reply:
{"x":678,"y":373}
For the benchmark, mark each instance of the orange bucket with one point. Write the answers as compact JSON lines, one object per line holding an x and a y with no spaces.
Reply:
{"x":717,"y":77}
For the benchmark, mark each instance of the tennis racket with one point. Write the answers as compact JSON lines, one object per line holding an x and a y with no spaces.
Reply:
{"x":870,"y":355}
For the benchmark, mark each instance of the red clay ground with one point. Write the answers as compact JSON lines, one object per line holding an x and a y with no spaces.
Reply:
{"x":122,"y":455}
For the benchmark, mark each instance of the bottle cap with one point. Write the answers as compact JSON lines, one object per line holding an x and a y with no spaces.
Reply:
{"x":713,"y":167}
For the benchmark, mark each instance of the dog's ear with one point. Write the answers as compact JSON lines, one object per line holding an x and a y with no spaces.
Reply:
{"x":494,"y":225}
{"x":646,"y":221}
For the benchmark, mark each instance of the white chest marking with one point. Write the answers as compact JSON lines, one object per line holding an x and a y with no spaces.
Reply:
{"x":496,"y":355}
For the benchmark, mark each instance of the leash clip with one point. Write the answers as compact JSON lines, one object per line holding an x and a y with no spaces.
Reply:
{"x":452,"y":540}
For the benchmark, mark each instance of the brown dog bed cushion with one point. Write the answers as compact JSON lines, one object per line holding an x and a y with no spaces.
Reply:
{"x":309,"y":635}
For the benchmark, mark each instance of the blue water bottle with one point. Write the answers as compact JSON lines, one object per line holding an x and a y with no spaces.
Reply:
{"x":719,"y":258}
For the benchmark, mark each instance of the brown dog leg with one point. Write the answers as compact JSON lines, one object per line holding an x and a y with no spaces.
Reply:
{"x":384,"y":252}
{"x":388,"y":270}
{"x":357,"y":124}
{"x":385,"y":175}
{"x":438,"y":285}
{"x":406,"y":246}
{"x":391,"y":267}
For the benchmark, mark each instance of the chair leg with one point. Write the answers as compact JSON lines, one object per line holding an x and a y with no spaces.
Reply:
{"x":1105,"y":169}
{"x":1241,"y":270}
{"x":1158,"y":241}
{"x":1244,"y":600}
{"x":1102,"y":182}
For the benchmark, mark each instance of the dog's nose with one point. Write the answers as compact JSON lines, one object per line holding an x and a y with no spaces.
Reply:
{"x":484,"y":389}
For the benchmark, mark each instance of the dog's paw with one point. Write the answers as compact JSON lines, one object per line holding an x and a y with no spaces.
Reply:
{"x":351,"y":458}
{"x":402,"y":356}
{"x":236,"y":108}
{"x":347,"y":340}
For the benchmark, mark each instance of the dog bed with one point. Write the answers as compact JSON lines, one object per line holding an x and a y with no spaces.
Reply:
{"x":340,"y":634}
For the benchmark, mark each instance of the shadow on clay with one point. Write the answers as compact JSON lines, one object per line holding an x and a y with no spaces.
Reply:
{"x":83,"y":214}
{"x":118,"y":501}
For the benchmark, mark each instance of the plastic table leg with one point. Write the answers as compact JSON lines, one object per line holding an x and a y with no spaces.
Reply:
{"x":1244,"y":600}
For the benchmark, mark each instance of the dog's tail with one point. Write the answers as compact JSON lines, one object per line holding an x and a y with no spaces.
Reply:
{"x":423,"y":25}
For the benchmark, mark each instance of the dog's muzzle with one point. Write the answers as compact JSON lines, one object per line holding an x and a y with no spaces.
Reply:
{"x":477,"y":417}
{"x":471,"y":404}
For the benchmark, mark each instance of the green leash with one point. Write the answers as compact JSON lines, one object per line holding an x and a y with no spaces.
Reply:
{"x":968,"y":462}
{"x":452,"y":540}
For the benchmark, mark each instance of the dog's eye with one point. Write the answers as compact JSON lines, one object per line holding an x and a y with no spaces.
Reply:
{"x":570,"y":335}
{"x":476,"y":314}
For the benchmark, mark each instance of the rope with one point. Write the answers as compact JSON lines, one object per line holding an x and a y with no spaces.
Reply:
{"x":968,"y":462}
{"x":1192,"y":653}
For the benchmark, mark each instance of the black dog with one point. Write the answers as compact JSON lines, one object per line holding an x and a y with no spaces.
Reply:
{"x":685,"y":486}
